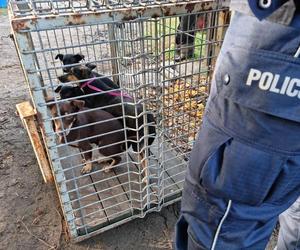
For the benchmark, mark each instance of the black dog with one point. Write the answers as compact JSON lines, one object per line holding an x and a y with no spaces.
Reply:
{"x":67,"y":92}
{"x":69,"y":59}
{"x":76,"y":58}
{"x":135,"y":131}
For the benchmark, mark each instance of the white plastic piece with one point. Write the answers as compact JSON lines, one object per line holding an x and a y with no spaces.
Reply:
{"x":265,"y":3}
{"x":220,"y":225}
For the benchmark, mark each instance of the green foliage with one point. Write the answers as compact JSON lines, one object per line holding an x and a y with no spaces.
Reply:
{"x":165,"y":30}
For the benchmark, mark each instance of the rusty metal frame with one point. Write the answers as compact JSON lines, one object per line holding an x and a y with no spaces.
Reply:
{"x":53,"y":21}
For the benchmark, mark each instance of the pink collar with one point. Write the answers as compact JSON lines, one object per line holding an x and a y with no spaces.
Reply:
{"x":114,"y":93}
{"x":88,"y":83}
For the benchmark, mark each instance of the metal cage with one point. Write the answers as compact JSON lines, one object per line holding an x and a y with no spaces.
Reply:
{"x":162,"y":55}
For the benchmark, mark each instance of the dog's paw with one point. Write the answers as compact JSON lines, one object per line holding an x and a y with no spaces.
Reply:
{"x":145,"y":180}
{"x":87,"y":168}
{"x":107,"y":168}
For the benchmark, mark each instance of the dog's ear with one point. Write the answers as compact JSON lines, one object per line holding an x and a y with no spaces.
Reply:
{"x":91,"y":66}
{"x":58,"y":89}
{"x":79,"y":57}
{"x":60,"y":56}
{"x":78,"y":103}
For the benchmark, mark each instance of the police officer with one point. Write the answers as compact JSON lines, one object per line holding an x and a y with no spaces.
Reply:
{"x":244,"y":168}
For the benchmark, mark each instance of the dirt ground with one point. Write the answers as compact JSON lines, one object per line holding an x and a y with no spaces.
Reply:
{"x":29,"y":210}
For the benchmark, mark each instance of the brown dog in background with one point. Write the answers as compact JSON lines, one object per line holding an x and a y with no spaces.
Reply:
{"x":93,"y":127}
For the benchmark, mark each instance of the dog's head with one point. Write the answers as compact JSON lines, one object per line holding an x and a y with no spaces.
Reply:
{"x":78,"y":73}
{"x":68,"y":59}
{"x":66,"y":92}
{"x":65,"y":118}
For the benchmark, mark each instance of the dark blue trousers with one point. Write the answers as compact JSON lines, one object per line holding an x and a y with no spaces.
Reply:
{"x":244,"y":168}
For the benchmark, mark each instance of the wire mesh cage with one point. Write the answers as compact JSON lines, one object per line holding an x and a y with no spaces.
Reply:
{"x":119,"y":94}
{"x":25,"y":8}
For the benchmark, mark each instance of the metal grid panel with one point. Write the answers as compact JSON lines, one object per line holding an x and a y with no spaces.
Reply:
{"x":25,"y":8}
{"x":139,"y":55}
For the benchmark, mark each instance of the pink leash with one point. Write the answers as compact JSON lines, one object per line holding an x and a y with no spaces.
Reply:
{"x":88,"y":84}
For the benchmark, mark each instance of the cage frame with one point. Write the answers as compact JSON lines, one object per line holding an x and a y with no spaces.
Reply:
{"x":21,"y":27}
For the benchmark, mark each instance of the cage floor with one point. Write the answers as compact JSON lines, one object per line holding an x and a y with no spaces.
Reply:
{"x":99,"y":199}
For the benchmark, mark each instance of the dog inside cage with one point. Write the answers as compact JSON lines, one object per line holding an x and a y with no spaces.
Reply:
{"x":124,"y":102}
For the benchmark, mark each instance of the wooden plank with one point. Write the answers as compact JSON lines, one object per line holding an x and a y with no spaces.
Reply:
{"x":25,"y":109}
{"x":87,"y":206}
{"x":211,"y":20}
{"x":223,"y":20}
{"x":113,"y":52}
{"x":149,"y":193}
{"x":110,"y":191}
{"x":214,"y":35}
{"x":131,"y":178}
{"x":135,"y":186}
{"x":27,"y":114}
{"x":131,"y":182}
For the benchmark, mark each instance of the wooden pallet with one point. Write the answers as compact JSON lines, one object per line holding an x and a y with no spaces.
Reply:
{"x":100,"y":199}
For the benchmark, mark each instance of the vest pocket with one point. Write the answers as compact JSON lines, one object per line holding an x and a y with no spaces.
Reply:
{"x":241,"y":172}
{"x":261,"y":80}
